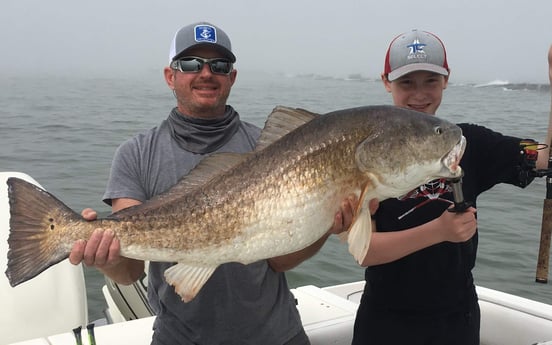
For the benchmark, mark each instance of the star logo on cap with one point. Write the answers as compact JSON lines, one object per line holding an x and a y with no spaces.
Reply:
{"x":416,"y":47}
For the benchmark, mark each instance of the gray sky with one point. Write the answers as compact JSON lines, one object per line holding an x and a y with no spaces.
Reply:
{"x":486,"y":40}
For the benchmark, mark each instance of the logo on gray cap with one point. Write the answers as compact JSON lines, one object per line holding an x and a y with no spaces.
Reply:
{"x":416,"y":50}
{"x":205,"y":33}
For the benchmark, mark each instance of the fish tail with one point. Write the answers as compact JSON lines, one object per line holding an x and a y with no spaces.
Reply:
{"x":36,"y":237}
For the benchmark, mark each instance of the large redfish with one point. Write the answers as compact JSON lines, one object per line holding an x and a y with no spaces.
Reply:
{"x":247,"y":207}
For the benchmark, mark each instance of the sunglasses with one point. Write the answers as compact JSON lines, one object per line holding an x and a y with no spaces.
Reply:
{"x":194,"y":64}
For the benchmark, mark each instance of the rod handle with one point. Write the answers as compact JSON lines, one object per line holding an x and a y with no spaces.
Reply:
{"x":544,"y":246}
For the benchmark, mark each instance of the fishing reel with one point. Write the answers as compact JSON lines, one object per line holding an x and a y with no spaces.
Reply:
{"x":541,"y":172}
{"x":528,"y":159}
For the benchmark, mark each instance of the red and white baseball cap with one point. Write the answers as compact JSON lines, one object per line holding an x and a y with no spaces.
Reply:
{"x":415,"y":51}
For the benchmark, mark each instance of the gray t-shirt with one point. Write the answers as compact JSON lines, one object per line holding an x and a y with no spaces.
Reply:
{"x":239,"y":304}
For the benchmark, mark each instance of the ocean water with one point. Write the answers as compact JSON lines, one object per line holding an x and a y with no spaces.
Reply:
{"x":63,"y":131}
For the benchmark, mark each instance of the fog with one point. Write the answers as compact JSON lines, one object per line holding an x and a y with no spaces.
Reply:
{"x":486,"y":40}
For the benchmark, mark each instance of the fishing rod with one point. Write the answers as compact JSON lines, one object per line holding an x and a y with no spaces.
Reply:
{"x":527,"y":172}
{"x":91,"y":336}
{"x":546,"y":225}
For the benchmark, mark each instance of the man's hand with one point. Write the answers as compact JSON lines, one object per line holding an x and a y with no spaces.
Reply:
{"x":101,"y":250}
{"x":343,"y":219}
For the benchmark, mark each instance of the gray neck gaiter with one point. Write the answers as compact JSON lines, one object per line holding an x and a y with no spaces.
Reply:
{"x":203,"y":135}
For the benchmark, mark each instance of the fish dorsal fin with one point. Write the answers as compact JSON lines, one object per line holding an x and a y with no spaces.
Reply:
{"x":208,"y":168}
{"x":188,"y":280}
{"x":280,"y":122}
{"x":360,"y":233}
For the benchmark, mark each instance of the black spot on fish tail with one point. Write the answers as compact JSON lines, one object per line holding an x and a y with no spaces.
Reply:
{"x":34,"y":241}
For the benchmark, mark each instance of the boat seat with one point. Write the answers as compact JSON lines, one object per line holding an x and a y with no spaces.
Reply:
{"x":127,"y":302}
{"x":27,"y":308}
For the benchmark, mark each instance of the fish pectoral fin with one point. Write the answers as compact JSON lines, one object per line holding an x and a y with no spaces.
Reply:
{"x":359,"y":235}
{"x":188,"y":280}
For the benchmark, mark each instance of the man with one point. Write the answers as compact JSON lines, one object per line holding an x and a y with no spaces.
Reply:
{"x":239,"y":304}
{"x":419,"y":284}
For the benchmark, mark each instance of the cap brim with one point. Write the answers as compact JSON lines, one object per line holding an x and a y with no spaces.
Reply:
{"x":218,"y":47}
{"x":404,"y":70}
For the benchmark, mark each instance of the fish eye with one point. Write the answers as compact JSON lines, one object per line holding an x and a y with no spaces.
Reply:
{"x":438,"y":130}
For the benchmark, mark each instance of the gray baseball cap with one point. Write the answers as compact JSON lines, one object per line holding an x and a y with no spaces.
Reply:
{"x":415,"y":51}
{"x":200,"y":34}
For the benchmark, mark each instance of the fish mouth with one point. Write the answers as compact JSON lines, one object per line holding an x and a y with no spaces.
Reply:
{"x":452,"y":159}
